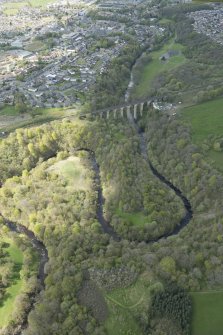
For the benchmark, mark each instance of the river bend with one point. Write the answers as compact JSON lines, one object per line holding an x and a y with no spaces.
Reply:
{"x":106,"y":227}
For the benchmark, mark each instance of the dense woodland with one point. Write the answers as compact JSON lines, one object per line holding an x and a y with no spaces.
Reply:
{"x":184,"y":164}
{"x":70,"y":216}
{"x":65,"y":219}
{"x":6,"y":267}
{"x":11,"y":272}
{"x":172,"y":304}
{"x":82,"y":258}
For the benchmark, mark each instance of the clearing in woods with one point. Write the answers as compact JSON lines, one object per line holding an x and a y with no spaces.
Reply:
{"x":72,"y":170}
{"x":125,"y":304}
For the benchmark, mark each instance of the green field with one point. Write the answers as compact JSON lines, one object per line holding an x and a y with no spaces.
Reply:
{"x":135,"y":218}
{"x":207,"y":313}
{"x":73,"y":171}
{"x":35,"y":46}
{"x":17,"y":284}
{"x":40,"y":3}
{"x":206,"y":119}
{"x":125,"y":304}
{"x":155,"y":67}
{"x":12,"y":8}
{"x":32,"y":118}
{"x":8,"y":110}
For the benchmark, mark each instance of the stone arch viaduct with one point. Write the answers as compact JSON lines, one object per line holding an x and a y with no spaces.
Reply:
{"x":130,"y":110}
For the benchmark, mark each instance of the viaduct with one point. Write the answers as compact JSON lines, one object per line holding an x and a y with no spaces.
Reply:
{"x":130,"y":110}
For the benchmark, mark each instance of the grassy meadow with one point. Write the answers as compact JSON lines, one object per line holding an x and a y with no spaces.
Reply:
{"x":156,"y":67}
{"x":137,"y":219}
{"x":73,"y":171}
{"x":206,"y":119}
{"x":15,"y":288}
{"x":207,"y":313}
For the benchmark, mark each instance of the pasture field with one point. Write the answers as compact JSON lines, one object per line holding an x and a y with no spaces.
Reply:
{"x":72,"y":170}
{"x":206,"y":119}
{"x":156,"y":67}
{"x":125,"y":304}
{"x":207,"y":313}
{"x":13,"y":291}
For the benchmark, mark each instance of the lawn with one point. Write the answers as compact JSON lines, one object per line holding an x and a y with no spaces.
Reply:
{"x":207,"y":313}
{"x":125,"y":304}
{"x":13,"y":291}
{"x":206,"y":119}
{"x":155,"y":67}
{"x":72,"y":170}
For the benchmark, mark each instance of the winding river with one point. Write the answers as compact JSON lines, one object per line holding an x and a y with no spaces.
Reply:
{"x":106,"y":227}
